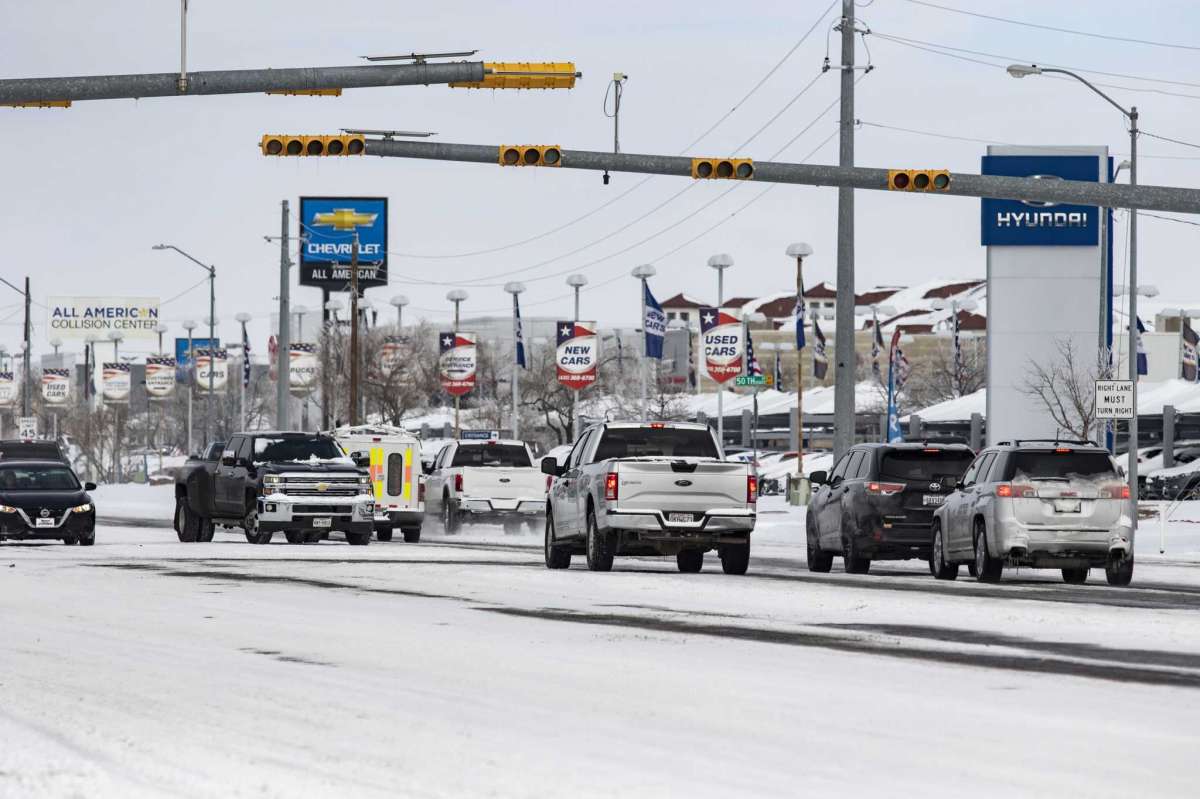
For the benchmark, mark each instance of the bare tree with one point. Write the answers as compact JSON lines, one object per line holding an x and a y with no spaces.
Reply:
{"x":1066,"y":388}
{"x":935,"y":379}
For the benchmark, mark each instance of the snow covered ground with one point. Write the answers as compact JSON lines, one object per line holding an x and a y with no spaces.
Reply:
{"x":460,"y":666}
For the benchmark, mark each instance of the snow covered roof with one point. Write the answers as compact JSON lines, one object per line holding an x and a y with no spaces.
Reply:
{"x":817,"y":401}
{"x":682,"y":300}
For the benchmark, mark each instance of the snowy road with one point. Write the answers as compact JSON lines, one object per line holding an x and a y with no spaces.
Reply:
{"x":462,"y":667}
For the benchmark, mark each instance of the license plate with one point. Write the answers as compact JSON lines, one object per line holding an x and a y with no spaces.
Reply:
{"x":322,"y":521}
{"x":1066,"y":506}
{"x":680,"y":518}
{"x":933,"y":499}
{"x":43,"y":523}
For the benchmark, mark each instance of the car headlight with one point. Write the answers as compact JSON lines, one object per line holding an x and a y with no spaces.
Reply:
{"x":7,"y":509}
{"x":84,"y":508}
{"x":272,"y":480}
{"x":363,"y":479}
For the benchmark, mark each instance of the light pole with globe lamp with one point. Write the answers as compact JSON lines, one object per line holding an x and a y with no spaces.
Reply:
{"x":398,"y":302}
{"x":799,"y":251}
{"x":457,"y":296}
{"x":189,"y":325}
{"x":643,"y":273}
{"x":514,"y":288}
{"x":720,"y":262}
{"x":331,"y":310}
{"x":212,"y":321}
{"x":116,"y":337}
{"x":576,"y":282}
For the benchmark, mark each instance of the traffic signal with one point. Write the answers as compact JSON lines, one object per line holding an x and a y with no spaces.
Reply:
{"x":530,"y":155}
{"x":524,"y":75}
{"x":313,"y":145}
{"x":918,"y":179}
{"x":722,"y":168}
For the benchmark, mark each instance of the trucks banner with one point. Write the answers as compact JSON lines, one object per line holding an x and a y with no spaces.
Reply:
{"x":302,"y":374}
{"x":456,"y":362}
{"x":577,"y":354}
{"x":723,"y":339}
{"x":80,"y":317}
{"x":160,"y":377}
{"x":328,"y":225}
{"x":56,"y":386}
{"x":8,"y":390}
{"x":114,"y":381}
{"x":218,"y":361}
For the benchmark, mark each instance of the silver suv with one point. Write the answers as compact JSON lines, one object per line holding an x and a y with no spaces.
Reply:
{"x":1041,"y":504}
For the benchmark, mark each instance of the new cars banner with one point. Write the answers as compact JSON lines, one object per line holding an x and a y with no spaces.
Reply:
{"x":56,"y":386}
{"x":302,"y":373}
{"x":723,"y":338}
{"x":577,"y":354}
{"x":80,"y":317}
{"x":8,"y":390}
{"x":114,"y":381}
{"x":391,"y":353}
{"x":329,"y":226}
{"x":456,"y":362}
{"x":218,"y":362}
{"x":160,"y":377}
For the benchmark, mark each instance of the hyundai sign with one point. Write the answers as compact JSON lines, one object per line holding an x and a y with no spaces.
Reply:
{"x":1028,"y":223}
{"x":328,"y":225}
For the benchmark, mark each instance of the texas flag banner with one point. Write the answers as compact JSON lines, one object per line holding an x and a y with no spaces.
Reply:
{"x":160,"y":376}
{"x":56,"y":386}
{"x":723,"y":337}
{"x":456,"y":362}
{"x":577,"y":354}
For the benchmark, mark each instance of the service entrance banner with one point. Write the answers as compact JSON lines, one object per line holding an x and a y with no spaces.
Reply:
{"x":302,"y":373}
{"x":160,"y":377}
{"x":456,"y":362}
{"x":724,"y":341}
{"x":577,"y":355}
{"x":114,"y":384}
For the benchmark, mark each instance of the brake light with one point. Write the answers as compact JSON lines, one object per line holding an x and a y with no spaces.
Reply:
{"x":458,"y":482}
{"x":1115,"y":492}
{"x":421,"y":491}
{"x":884,"y":489}
{"x":930,"y":451}
{"x":610,"y":486}
{"x":549,"y":480}
{"x":1010,"y":490}
{"x":1063,"y":450}
{"x":751,"y":489}
{"x":657,"y":425}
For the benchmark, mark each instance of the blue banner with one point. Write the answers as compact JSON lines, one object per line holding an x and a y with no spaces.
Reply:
{"x":183,"y":363}
{"x":518,"y":332}
{"x":654,"y":323}
{"x":327,"y":228}
{"x":1028,"y":223}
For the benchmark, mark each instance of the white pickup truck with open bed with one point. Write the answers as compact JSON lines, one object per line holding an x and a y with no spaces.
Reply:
{"x":493,"y":480}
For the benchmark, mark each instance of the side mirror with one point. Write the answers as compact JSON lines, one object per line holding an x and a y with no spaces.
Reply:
{"x":228,"y":460}
{"x":550,"y":466}
{"x":819,"y":477}
{"x":1121,"y":471}
{"x":427,"y":468}
{"x":89,"y":486}
{"x":361,"y":460}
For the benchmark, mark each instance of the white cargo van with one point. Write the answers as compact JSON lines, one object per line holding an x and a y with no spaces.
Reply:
{"x":392,"y":457}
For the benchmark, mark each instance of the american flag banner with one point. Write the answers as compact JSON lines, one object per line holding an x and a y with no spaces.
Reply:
{"x":245,"y":358}
{"x":778,"y":371}
{"x":958,"y":359}
{"x":876,"y":348}
{"x":1143,"y":363}
{"x":752,"y":365}
{"x":820,"y":357}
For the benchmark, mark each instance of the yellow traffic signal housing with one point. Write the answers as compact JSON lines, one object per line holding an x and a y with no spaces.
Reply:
{"x":722,"y":168}
{"x":40,"y":104}
{"x":524,"y":75}
{"x":530,"y":155}
{"x":918,"y":179}
{"x":281,"y":145}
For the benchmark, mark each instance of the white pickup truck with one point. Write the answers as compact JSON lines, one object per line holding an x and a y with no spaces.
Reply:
{"x":492,"y":480}
{"x":655,"y":488}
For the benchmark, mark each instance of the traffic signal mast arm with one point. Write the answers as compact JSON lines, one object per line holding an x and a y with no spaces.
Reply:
{"x":1108,"y":195}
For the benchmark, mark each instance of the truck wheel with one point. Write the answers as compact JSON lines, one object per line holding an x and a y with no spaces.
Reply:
{"x":600,"y":546}
{"x":1075,"y":576}
{"x":295,"y":536}
{"x":1119,"y":571}
{"x":253,"y":534}
{"x":87,"y":540}
{"x":206,"y":531}
{"x":450,"y":518}
{"x":690,"y":561}
{"x":987,"y":568}
{"x":937,"y":559}
{"x":557,"y":557}
{"x":70,"y":541}
{"x":412,"y":535}
{"x":383,"y":534}
{"x":735,"y":558}
{"x":852,"y":561}
{"x":358,"y":539}
{"x":818,"y":559}
{"x":186,"y":523}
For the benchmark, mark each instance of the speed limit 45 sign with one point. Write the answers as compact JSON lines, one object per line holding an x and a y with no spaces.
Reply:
{"x":1114,"y":399}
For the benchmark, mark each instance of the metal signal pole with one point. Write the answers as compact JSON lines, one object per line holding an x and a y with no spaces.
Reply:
{"x":283,"y":354}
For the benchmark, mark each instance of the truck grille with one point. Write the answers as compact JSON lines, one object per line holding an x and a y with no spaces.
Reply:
{"x":310,"y":486}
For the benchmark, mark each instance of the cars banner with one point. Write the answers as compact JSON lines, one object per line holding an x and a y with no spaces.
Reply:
{"x":218,"y":362}
{"x":457,"y":362}
{"x":302,"y":373}
{"x":56,"y":386}
{"x":114,"y":381}
{"x":80,"y":317}
{"x":723,"y":338}
{"x":577,"y":354}
{"x":391,"y":353}
{"x":160,"y":377}
{"x":8,"y":390}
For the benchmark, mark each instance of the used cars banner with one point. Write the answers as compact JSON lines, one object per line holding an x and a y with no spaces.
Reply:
{"x":724,"y":340}
{"x":56,"y":386}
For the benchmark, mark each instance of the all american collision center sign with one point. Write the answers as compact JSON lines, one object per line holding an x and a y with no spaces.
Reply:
{"x":328,"y":225}
{"x":80,"y":317}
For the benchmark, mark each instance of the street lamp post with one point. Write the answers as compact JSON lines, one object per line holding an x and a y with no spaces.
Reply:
{"x":189,"y":326}
{"x":399,"y":301}
{"x":212,"y":322}
{"x":800,"y":250}
{"x":514,"y":288}
{"x":457,"y":296}
{"x":720,"y":262}
{"x":331,"y":309}
{"x":644,"y":273}
{"x":161,"y":329}
{"x":576,"y":282}
{"x":1020,"y":71}
{"x":115,"y":337}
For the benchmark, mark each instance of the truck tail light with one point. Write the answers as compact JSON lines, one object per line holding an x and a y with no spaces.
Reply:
{"x":884,"y":489}
{"x":549,"y":482}
{"x":610,"y":486}
{"x":751,"y":489}
{"x":1014,"y":490}
{"x":1115,"y":492}
{"x":421,"y":491}
{"x":458,"y":483}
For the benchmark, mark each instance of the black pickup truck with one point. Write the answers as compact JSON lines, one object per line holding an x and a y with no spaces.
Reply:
{"x":264,"y":482}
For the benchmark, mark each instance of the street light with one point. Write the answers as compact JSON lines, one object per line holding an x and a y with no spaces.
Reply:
{"x":514,"y":288}
{"x":115,"y":336}
{"x":720,"y":262}
{"x":161,"y":329}
{"x":576,"y":282}
{"x":643,"y":273}
{"x":331,"y":310}
{"x":799,"y":251}
{"x":242,"y":318}
{"x":457,"y":296}
{"x":1020,"y":71}
{"x":212,"y":323}
{"x":189,"y":326}
{"x":399,"y":301}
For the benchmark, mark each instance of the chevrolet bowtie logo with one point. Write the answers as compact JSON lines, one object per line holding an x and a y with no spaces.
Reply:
{"x":322,"y":486}
{"x":344,"y":219}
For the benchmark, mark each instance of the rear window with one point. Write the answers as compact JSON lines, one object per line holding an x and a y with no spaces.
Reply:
{"x":32,"y":450}
{"x":1052,"y":465}
{"x":491,"y":455}
{"x":665,"y":442}
{"x":919,"y":464}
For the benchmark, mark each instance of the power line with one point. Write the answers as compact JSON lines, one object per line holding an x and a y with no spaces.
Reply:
{"x":1167,"y":138}
{"x":1168,"y":218}
{"x":1039,"y":26}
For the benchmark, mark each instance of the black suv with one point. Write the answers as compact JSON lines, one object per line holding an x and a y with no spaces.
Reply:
{"x":878,"y":502}
{"x":41,"y":450}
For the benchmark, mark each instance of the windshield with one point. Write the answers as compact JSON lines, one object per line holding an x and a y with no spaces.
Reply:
{"x":665,"y":442}
{"x":1055,"y":465}
{"x":491,"y":455}
{"x":37,"y":478}
{"x":295,"y":448}
{"x":924,"y":465}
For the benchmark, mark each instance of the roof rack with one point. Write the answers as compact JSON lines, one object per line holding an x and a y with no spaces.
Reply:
{"x":1074,"y":441}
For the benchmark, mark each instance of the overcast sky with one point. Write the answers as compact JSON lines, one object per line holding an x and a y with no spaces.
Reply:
{"x":85,"y":192}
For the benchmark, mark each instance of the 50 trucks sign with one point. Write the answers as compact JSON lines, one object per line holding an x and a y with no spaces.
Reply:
{"x":80,"y":317}
{"x":328,"y":227}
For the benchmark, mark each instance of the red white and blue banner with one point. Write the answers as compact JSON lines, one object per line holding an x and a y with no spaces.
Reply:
{"x":216,"y":362}
{"x":56,"y":386}
{"x":390,"y":353}
{"x":457,"y":362}
{"x":302,"y":371}
{"x":8,"y":389}
{"x":114,"y":381}
{"x":723,"y":338}
{"x":160,"y":377}
{"x":577,"y":355}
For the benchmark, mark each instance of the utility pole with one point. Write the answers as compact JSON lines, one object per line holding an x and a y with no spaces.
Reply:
{"x":283,"y":363}
{"x":28,"y":354}
{"x":354,"y":322}
{"x":843,"y":392}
